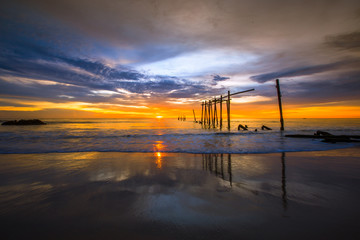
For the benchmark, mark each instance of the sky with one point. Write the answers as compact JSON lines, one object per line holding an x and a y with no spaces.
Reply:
{"x":150,"y":58}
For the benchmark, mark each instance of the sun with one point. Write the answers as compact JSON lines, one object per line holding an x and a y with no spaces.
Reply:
{"x":159,"y":116}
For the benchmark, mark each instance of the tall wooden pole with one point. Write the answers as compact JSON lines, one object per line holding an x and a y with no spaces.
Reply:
{"x":228,"y":110}
{"x":205,"y":113}
{"x":280,"y":106}
{"x":211,"y":113}
{"x":216,"y":114}
{"x":220,"y":111}
{"x":202,"y":112}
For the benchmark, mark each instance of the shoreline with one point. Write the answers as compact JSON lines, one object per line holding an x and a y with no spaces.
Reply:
{"x":170,"y":152}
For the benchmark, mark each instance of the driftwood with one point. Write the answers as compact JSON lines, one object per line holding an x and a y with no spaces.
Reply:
{"x":245,"y":128}
{"x":265,"y":128}
{"x":328,"y":137}
{"x":321,"y":136}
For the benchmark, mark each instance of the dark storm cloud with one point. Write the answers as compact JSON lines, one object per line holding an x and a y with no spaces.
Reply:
{"x":339,"y":87}
{"x":194,"y":22}
{"x":349,"y":41}
{"x":306,"y":70}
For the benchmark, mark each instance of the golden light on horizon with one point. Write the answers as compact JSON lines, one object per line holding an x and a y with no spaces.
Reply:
{"x":37,"y":108}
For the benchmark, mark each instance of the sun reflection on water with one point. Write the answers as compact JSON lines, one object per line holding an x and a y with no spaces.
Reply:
{"x":158,"y":148}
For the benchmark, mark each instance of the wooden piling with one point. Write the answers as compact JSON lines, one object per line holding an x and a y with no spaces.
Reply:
{"x":202,"y":113}
{"x":228,"y":110}
{"x":215,"y":114}
{"x":221,"y":112}
{"x":194,"y":115}
{"x":280,"y":105}
{"x":205,"y":112}
{"x":210,"y":113}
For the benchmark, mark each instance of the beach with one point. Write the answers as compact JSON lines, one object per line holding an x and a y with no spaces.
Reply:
{"x":159,"y":195}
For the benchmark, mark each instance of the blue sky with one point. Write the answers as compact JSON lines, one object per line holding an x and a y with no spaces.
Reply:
{"x":126,"y":55}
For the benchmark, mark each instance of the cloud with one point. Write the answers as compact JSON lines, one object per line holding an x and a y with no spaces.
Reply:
{"x":348,"y":41}
{"x":219,"y":78}
{"x":314,"y":89}
{"x":30,"y":70}
{"x":306,"y":70}
{"x":101,"y":46}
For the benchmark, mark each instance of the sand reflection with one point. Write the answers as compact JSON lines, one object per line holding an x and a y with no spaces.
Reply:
{"x":193,"y":196}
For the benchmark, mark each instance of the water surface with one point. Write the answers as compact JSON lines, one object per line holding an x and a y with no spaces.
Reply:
{"x":170,"y":135}
{"x":159,"y":195}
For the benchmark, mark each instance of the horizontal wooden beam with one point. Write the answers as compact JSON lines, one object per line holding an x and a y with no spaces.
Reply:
{"x":232,"y":94}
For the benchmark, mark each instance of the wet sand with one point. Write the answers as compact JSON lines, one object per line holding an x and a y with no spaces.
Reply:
{"x":93,"y":195}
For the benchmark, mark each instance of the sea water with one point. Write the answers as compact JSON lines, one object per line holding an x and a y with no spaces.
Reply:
{"x":171,"y":135}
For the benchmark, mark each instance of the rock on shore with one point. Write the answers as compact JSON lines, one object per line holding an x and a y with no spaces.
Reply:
{"x":24,"y":122}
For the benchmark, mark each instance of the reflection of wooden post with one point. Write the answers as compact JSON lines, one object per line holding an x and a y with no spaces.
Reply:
{"x":220,"y":111}
{"x":202,"y":113}
{"x":228,"y":110}
{"x":280,"y":106}
{"x":216,"y":167}
{"x":229,"y":169}
{"x":194,"y":115}
{"x":283,"y":181}
{"x":222,"y":165}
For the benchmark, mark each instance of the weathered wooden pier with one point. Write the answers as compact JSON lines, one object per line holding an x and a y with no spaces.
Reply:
{"x":209,"y":114}
{"x":210,"y":118}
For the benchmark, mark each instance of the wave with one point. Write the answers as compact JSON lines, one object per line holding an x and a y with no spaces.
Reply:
{"x":215,"y":151}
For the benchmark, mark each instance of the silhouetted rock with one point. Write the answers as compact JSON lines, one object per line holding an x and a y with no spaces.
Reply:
{"x":24,"y":122}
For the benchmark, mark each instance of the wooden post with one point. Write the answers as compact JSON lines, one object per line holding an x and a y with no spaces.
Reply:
{"x":194,"y":115}
{"x":210,"y":114}
{"x":215,"y":113}
{"x":205,"y":112}
{"x":228,"y":110}
{"x":202,"y":113}
{"x":220,"y":111}
{"x":280,"y":106}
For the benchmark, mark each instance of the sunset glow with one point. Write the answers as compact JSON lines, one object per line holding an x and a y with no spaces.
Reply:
{"x":80,"y":60}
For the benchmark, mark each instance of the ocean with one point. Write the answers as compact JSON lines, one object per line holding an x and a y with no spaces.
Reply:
{"x":170,"y":135}
{"x":170,"y":179}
